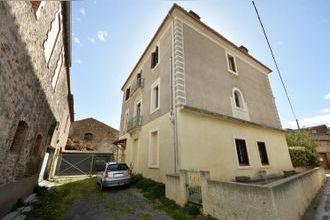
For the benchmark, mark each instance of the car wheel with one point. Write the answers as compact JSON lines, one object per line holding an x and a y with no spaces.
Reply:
{"x":101,"y":187}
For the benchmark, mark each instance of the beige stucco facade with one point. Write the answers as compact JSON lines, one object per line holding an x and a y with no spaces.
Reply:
{"x":197,"y":121}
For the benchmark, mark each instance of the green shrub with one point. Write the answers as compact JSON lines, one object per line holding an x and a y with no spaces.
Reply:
{"x":192,"y":209}
{"x":302,"y":149}
{"x":136,"y":178}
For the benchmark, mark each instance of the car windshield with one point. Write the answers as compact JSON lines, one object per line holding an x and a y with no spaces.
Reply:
{"x":117,"y":167}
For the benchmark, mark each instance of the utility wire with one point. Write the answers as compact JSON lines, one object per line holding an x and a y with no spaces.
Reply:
{"x":277,"y":68}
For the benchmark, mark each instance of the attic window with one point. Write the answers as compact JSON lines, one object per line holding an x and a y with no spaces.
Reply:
{"x":88,"y":136}
{"x":127,"y":93}
{"x":231,"y":64}
{"x":155,"y":57}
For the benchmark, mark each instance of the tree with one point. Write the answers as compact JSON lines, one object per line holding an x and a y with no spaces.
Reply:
{"x":302,"y":149}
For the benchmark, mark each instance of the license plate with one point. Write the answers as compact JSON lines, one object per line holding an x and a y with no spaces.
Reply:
{"x":119,"y":174}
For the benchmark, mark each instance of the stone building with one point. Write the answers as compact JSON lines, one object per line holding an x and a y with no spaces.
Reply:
{"x":36,"y":102}
{"x":196,"y":101}
{"x":94,"y":136}
{"x":321,"y":135}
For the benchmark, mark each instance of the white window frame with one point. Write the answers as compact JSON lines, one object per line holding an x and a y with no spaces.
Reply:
{"x":57,"y":71}
{"x":155,"y":67}
{"x":235,"y":63}
{"x":247,"y":151}
{"x":243,"y":103}
{"x":266,"y":165}
{"x":153,"y":166}
{"x":152,"y":101}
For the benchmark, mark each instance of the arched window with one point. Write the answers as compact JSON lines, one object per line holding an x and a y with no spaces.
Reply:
{"x":88,"y":136}
{"x":36,"y":146}
{"x":19,"y":138}
{"x":238,"y":98}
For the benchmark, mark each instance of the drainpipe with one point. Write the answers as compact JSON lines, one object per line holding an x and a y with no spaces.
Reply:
{"x":173,"y":106}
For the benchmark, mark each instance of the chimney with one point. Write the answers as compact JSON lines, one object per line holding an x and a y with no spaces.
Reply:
{"x":194,"y":14}
{"x":244,"y":49}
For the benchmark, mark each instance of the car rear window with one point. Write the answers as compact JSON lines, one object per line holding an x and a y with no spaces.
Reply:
{"x":117,"y":167}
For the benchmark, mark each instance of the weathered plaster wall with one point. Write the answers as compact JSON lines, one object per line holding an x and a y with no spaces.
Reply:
{"x":137,"y":154}
{"x":209,"y":84}
{"x":207,"y":143}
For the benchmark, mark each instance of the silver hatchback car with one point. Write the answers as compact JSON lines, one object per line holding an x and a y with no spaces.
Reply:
{"x":115,"y":174}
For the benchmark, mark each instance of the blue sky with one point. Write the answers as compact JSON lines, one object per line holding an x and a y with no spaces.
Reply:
{"x":108,"y":38}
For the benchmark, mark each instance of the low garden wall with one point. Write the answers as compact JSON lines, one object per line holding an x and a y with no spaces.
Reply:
{"x":287,"y":198}
{"x":175,"y":188}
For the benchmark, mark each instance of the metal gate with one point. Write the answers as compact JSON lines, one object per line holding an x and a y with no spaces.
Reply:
{"x":81,"y":163}
{"x":193,"y":184}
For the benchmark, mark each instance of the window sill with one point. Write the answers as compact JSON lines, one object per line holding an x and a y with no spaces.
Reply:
{"x":242,"y":167}
{"x":240,"y":109}
{"x":155,"y":67}
{"x":154,"y":110}
{"x":153,"y":166}
{"x":232,"y":72}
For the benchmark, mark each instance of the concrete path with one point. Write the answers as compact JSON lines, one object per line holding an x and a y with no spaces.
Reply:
{"x":320,"y":206}
{"x":323,"y":208}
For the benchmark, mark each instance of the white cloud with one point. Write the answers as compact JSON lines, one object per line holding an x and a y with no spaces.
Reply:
{"x":102,"y":35}
{"x":309,"y":121}
{"x":79,"y":61}
{"x":76,"y":39}
{"x":82,"y":11}
{"x":327,"y":96}
{"x":326,"y":110}
{"x":77,"y":18}
{"x":91,"y":39}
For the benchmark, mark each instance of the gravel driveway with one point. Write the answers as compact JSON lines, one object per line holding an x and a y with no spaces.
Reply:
{"x":118,"y":203}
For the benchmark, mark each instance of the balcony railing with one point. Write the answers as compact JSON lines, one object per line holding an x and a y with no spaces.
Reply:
{"x":138,"y":83}
{"x":134,"y":123}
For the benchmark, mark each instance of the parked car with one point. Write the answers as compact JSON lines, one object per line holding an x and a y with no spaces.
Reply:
{"x":115,"y":174}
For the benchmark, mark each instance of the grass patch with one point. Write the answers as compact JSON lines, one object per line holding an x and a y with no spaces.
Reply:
{"x":144,"y":216}
{"x":122,"y":211}
{"x":155,"y":192}
{"x":54,"y":203}
{"x":111,"y":204}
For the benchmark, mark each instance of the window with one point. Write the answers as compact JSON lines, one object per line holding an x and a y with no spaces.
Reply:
{"x":153,"y":149}
{"x":19,"y":138}
{"x":263,"y":153}
{"x":238,"y":99}
{"x":155,"y":57}
{"x":36,"y":146}
{"x":117,"y":167}
{"x":127,"y":93}
{"x":57,"y":71}
{"x":88,"y":136}
{"x":242,"y":154}
{"x":52,"y":36}
{"x":231,"y":63}
{"x":155,"y":96}
{"x":138,"y":109}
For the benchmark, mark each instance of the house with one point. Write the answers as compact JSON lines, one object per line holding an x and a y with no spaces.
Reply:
{"x":196,"y":101}
{"x":95,"y":136}
{"x":36,"y":101}
{"x":321,"y":135}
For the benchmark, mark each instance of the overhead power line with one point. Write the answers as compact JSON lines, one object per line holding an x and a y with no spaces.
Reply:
{"x":277,"y":68}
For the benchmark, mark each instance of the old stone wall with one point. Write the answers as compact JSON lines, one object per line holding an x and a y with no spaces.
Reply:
{"x":32,"y":114}
{"x":102,"y":135}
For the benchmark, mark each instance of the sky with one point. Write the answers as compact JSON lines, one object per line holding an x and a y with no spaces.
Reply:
{"x":108,"y":38}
